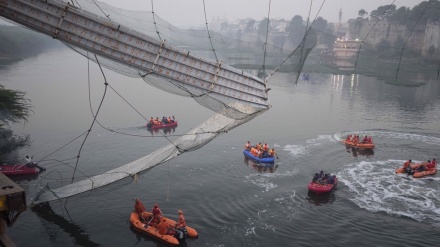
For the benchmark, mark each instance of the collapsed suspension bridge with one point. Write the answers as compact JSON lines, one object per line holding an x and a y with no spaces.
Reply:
{"x":89,"y":27}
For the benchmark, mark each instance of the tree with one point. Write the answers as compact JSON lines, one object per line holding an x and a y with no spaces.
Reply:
{"x":383,"y":12}
{"x":250,"y":25}
{"x":262,"y":27}
{"x":14,"y":107}
{"x":362,"y":13}
{"x":296,"y":30}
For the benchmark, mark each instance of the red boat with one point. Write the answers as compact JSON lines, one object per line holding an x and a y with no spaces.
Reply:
{"x":21,"y":169}
{"x":322,"y":188}
{"x":162,"y":125}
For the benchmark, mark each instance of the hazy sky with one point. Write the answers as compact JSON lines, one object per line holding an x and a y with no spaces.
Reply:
{"x":190,"y":12}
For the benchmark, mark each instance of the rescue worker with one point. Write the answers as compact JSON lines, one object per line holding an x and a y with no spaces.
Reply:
{"x":179,"y":227}
{"x":330,"y":179}
{"x":407,"y":166}
{"x":151,"y":120}
{"x":315,"y":178}
{"x":169,"y":120}
{"x":247,"y":146}
{"x":164,"y":227}
{"x":365,"y":140}
{"x":157,"y":214}
{"x":182,"y":222}
{"x":258,"y":153}
{"x":259,"y":146}
{"x":253,"y":151}
{"x":139,"y":209}
{"x":422,"y":167}
{"x":430,"y":165}
{"x":156,"y":121}
{"x":272,"y":152}
{"x":348,"y":138}
{"x":265,"y":150}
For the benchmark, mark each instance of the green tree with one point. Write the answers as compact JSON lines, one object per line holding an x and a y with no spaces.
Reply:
{"x":362,"y":13}
{"x":250,"y":25}
{"x":296,"y":30}
{"x":262,"y":27}
{"x":14,"y":107}
{"x":383,"y":12}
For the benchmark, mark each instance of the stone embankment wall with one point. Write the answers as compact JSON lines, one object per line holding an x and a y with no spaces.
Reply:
{"x":421,"y":39}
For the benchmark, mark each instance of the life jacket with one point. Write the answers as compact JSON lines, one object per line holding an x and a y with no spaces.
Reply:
{"x":430,"y":165}
{"x":182,"y":222}
{"x":265,"y":147}
{"x":247,"y":145}
{"x":163,"y":227}
{"x":259,"y":146}
{"x":258,"y":153}
{"x":272,"y":152}
{"x":169,"y":120}
{"x":156,"y":212}
{"x":139,"y":207}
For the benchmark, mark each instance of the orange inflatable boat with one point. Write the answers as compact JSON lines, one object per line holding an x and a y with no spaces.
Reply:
{"x":432,"y":171}
{"x":425,"y":173}
{"x":359,"y":145}
{"x":413,"y":167}
{"x":153,"y":232}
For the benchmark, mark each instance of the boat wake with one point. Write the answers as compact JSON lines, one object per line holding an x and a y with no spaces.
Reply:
{"x":374,"y":186}
{"x":391,"y":135}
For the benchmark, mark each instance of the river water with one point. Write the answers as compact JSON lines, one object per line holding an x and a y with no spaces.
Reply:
{"x":229,"y":201}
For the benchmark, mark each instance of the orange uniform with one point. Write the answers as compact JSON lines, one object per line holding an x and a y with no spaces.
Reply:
{"x":163,"y":227}
{"x":406,"y":164}
{"x":265,"y":147}
{"x":182,"y":222}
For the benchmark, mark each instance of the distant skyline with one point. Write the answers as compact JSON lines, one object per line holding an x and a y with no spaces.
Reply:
{"x":189,"y":13}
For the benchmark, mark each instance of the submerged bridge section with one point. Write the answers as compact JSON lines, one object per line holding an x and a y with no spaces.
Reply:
{"x":147,"y":55}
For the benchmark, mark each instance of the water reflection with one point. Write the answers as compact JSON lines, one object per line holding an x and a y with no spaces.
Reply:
{"x":364,"y":152}
{"x":81,"y":238}
{"x":261,"y":167}
{"x":146,"y":238}
{"x":321,"y":199}
{"x":166,"y":131}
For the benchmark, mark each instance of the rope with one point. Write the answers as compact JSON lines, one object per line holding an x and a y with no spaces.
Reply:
{"x":154,"y":20}
{"x":94,"y":119}
{"x":359,"y":51}
{"x":401,"y":52}
{"x":262,"y":73}
{"x":207,"y":30}
{"x":101,"y":10}
{"x":292,"y":53}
